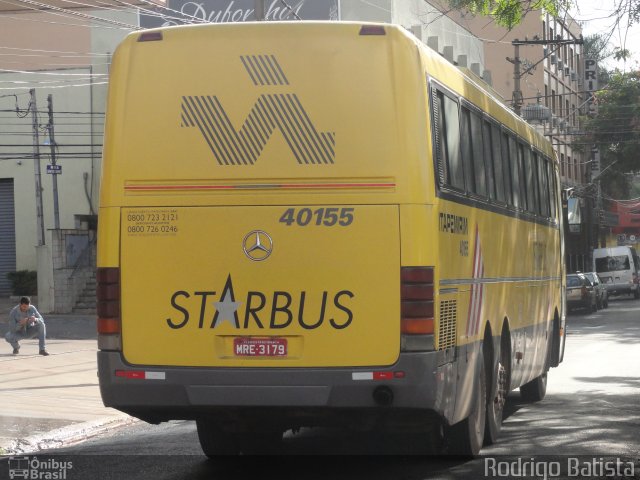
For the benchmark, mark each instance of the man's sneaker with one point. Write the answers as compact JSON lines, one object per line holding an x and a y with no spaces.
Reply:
{"x":44,"y":353}
{"x":16,"y":350}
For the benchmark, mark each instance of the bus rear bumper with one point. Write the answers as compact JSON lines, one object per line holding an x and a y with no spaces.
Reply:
{"x":419,"y":382}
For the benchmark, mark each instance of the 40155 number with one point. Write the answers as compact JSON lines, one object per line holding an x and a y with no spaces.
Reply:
{"x":327,"y":217}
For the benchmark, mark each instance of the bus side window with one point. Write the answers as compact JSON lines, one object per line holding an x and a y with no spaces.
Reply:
{"x":544,"y":186}
{"x":533,"y":189}
{"x":498,"y":172}
{"x":515,"y":173}
{"x":522,"y":177}
{"x":478,"y":155}
{"x":488,"y":159}
{"x":450,"y":140}
{"x":506,"y":164}
{"x":552,"y":189}
{"x":466,"y":147}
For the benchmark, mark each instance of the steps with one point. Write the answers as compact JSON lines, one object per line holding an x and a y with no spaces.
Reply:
{"x":86,"y":303}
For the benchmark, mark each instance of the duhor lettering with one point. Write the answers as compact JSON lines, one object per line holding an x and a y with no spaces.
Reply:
{"x":232,"y":13}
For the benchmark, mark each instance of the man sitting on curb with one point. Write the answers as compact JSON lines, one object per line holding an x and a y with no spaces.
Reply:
{"x":26,"y":322}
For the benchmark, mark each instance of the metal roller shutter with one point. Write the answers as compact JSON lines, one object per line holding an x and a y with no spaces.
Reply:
{"x":7,"y":235}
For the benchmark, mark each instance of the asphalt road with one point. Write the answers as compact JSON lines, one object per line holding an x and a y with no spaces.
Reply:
{"x":589,"y":418}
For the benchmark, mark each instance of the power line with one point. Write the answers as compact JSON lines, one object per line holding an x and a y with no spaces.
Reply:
{"x":32,"y":3}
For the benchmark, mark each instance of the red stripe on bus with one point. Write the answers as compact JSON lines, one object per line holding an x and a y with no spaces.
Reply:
{"x":264,"y":186}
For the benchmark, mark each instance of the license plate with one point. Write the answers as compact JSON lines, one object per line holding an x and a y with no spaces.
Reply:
{"x":260,"y":347}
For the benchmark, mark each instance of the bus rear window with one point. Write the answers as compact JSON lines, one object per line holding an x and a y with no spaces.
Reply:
{"x":612,"y":264}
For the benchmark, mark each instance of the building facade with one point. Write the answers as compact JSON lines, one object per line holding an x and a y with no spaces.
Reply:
{"x":53,"y":62}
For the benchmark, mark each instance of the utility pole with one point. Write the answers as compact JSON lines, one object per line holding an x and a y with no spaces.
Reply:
{"x":36,"y":166}
{"x":260,"y":11}
{"x":52,"y":144}
{"x":517,"y":74}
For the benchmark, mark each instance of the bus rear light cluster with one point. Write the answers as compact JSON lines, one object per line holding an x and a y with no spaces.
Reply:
{"x":108,"y":302}
{"x":416,"y":300}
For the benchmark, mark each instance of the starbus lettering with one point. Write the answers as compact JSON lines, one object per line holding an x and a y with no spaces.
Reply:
{"x":275,"y":310}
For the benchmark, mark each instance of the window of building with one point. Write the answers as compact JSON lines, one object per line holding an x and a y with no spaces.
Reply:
{"x":571,"y":53}
{"x":546,"y":96}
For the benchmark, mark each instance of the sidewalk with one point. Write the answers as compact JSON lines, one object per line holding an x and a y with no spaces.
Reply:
{"x":48,"y":402}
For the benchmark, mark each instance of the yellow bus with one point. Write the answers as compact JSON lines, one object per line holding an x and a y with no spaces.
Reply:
{"x":320,"y":224}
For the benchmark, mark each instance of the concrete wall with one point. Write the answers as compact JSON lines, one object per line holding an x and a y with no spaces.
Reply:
{"x":73,"y":253}
{"x":427,"y":23}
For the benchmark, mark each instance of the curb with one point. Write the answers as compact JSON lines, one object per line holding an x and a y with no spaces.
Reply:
{"x":65,"y":436}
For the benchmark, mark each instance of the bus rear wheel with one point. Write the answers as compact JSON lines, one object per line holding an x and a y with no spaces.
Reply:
{"x":216,"y":442}
{"x":465,"y":438}
{"x":498,"y":391}
{"x":536,"y":389}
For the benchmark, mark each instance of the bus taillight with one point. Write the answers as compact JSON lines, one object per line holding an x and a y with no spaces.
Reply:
{"x":416,"y":304}
{"x":108,"y":306}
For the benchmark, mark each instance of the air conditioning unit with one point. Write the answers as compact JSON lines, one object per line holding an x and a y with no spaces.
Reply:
{"x":574,"y":76}
{"x":553,"y":58}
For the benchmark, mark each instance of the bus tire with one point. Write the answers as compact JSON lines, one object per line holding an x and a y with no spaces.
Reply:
{"x":214,"y":441}
{"x":536,"y":389}
{"x":465,"y":438}
{"x":498,"y":389}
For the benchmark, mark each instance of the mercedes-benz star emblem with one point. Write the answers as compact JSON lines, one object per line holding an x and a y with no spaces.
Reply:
{"x":257,"y":245}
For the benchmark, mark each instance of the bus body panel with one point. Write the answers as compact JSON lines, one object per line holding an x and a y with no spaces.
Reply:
{"x":300,"y":115}
{"x":308,"y":282}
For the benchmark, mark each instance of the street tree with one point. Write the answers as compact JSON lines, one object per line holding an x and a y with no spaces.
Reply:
{"x":509,"y":13}
{"x":614,"y":128}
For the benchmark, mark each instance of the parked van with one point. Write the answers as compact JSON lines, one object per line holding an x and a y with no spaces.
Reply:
{"x":618,"y":269}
